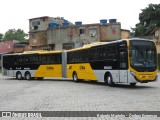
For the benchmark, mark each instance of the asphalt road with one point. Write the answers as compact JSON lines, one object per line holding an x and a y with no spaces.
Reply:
{"x":66,"y":95}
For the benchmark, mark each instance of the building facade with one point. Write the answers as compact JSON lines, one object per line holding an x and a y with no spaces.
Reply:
{"x":77,"y":35}
{"x":125,"y":33}
{"x":156,"y":37}
{"x":38,"y":30}
{"x":13,"y":46}
{"x":57,"y":33}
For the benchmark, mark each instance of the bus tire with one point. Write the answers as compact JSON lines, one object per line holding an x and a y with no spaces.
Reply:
{"x":132,"y":84}
{"x":105,"y":80}
{"x":75,"y":77}
{"x":18,"y":75}
{"x":110,"y":80}
{"x":27,"y":76}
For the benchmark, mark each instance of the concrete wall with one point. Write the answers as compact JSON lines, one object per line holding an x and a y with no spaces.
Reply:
{"x":157,"y":35}
{"x":83,"y":34}
{"x":38,"y":33}
{"x":57,"y":36}
{"x":110,"y":32}
{"x":6,"y":46}
{"x":61,"y":35}
{"x":40,"y":38}
{"x":113,"y":31}
{"x":125,"y":34}
{"x":158,"y":49}
{"x":44,"y":21}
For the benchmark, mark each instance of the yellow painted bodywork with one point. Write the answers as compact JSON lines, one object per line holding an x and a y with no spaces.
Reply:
{"x":49,"y":71}
{"x":83,"y":70}
{"x":142,"y":76}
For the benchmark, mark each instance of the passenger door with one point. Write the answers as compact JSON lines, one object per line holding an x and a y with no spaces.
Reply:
{"x":123,"y":71}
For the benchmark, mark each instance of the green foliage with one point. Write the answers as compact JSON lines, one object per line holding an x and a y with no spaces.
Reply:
{"x":1,"y":37}
{"x":132,"y":32}
{"x":149,"y":20}
{"x":13,"y":34}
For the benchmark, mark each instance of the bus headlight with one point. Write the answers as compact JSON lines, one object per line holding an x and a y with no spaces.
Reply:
{"x":133,"y":73}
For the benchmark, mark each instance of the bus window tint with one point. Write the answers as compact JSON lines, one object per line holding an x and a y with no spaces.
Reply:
{"x":43,"y":59}
{"x":78,"y":56}
{"x":57,"y":58}
{"x":112,"y":52}
{"x":143,"y":54}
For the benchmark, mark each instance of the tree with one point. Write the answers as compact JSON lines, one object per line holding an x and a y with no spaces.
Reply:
{"x":13,"y":34}
{"x":1,"y":37}
{"x":149,"y":19}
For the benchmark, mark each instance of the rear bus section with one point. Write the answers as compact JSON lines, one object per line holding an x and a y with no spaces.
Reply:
{"x":7,"y":65}
{"x":30,"y":66}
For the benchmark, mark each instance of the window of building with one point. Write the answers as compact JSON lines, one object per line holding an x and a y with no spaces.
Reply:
{"x":38,"y":22}
{"x":68,"y":46}
{"x":92,"y":32}
{"x":81,"y":31}
{"x":35,"y":23}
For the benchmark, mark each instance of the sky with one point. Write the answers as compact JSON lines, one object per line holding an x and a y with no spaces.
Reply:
{"x":15,"y":14}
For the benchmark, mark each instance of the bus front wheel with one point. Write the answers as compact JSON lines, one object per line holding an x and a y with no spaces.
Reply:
{"x":109,"y":80}
{"x":27,"y":76}
{"x":75,"y":77}
{"x":132,"y":84}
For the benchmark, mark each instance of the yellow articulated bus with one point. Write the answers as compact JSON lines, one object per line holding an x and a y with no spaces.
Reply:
{"x":122,"y":61}
{"x":32,"y":64}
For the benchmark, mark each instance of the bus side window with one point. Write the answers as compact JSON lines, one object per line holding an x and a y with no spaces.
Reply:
{"x":26,"y":60}
{"x":111,"y":50}
{"x":36,"y":59}
{"x":70,"y":57}
{"x":95,"y":54}
{"x":86,"y":55}
{"x":80,"y":59}
{"x":76,"y":56}
{"x":48,"y":59}
{"x":83,"y":56}
{"x":102,"y":53}
{"x":57,"y":58}
{"x":43,"y":59}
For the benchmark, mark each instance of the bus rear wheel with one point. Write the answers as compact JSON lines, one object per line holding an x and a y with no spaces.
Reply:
{"x":75,"y":77}
{"x":27,"y":76}
{"x":18,"y":75}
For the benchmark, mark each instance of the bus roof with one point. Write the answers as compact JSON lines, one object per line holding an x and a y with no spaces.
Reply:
{"x":87,"y":46}
{"x":41,"y":52}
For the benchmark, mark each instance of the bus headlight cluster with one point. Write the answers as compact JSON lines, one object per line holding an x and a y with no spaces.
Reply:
{"x":133,"y":73}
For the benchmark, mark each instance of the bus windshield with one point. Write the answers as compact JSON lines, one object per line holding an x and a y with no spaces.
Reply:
{"x":143,"y":55}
